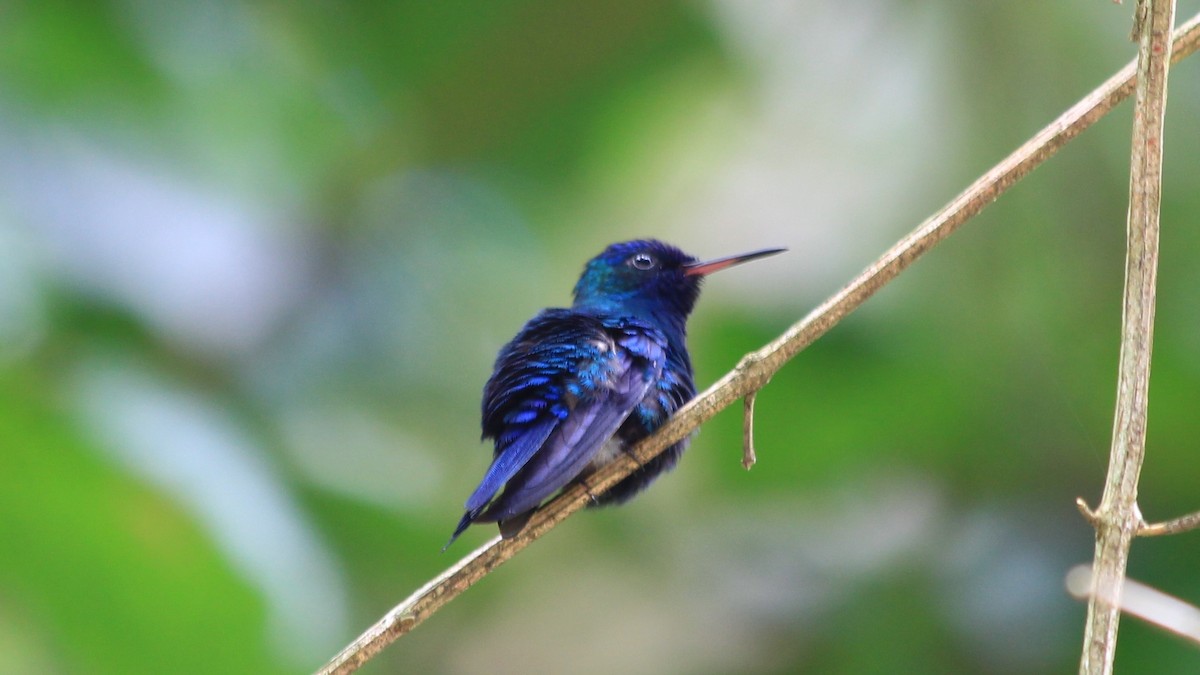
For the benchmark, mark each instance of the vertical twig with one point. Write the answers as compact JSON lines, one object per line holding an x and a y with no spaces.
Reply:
{"x":1117,"y":519}
{"x":749,"y":457}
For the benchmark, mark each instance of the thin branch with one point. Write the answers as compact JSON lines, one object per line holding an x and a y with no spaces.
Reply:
{"x":748,"y":455}
{"x":1181,"y":524}
{"x":1117,"y":519}
{"x":1145,"y":602}
{"x":755,"y":369}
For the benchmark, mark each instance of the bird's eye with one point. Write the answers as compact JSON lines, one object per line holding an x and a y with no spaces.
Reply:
{"x":642,"y":261}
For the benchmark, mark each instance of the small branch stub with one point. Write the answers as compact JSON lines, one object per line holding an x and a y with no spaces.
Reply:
{"x":748,"y":455}
{"x":1087,"y":512}
{"x":1181,"y":524}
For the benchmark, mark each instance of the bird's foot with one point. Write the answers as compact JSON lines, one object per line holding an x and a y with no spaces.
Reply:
{"x":587,"y":489}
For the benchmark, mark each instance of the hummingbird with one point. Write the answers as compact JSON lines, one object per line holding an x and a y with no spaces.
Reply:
{"x":579,"y":386}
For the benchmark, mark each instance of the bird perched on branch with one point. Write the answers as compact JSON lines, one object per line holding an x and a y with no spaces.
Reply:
{"x":578,"y":386}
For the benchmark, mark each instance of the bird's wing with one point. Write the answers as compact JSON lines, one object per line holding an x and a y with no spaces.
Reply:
{"x":560,"y":390}
{"x":508,"y":462}
{"x":573,"y":443}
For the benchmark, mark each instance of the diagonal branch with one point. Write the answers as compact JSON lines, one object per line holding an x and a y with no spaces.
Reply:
{"x":756,"y":368}
{"x":1117,"y":519}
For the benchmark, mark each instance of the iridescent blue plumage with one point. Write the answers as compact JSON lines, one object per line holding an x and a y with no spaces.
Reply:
{"x":577,"y":386}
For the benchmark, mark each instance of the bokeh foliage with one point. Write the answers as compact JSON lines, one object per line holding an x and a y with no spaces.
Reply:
{"x":255,"y":259}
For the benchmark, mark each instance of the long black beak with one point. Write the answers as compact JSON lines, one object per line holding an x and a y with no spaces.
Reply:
{"x":710,"y":266}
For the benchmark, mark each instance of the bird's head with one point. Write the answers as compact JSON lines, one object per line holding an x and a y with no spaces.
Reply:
{"x":647,"y":275}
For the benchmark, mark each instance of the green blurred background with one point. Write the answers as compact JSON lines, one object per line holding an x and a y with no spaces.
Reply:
{"x":256,"y":259}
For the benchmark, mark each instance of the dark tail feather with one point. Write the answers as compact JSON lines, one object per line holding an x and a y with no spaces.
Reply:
{"x":463,"y":524}
{"x":509,"y":528}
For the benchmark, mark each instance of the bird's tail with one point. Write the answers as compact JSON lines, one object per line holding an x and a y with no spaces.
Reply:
{"x":463,"y":524}
{"x":508,"y":527}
